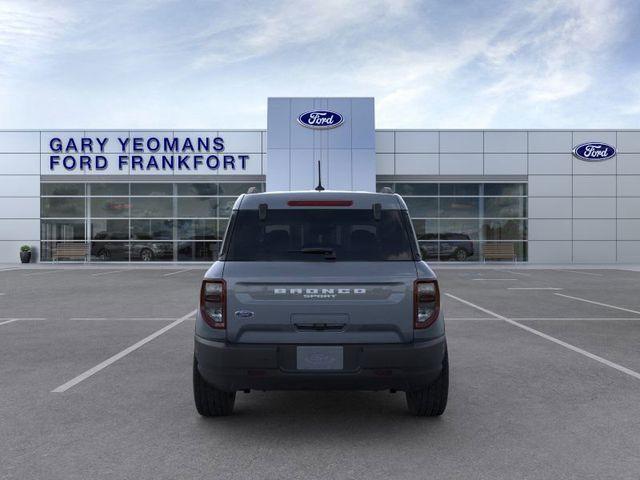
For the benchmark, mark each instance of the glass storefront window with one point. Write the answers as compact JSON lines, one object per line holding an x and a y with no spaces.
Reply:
{"x":198,"y":207}
{"x":62,"y":207}
{"x":198,"y":251}
{"x":108,"y":189}
{"x":102,"y":229}
{"x":454,"y":220}
{"x":110,"y":207}
{"x":459,"y":189}
{"x":197,"y":189}
{"x":459,"y":230}
{"x":150,"y":207}
{"x":514,"y":229}
{"x":512,"y":207}
{"x":62,"y":189}
{"x":459,"y":207}
{"x":422,"y":207}
{"x":236,"y":189}
{"x":110,"y":251}
{"x":423,"y":189}
{"x":152,"y":251}
{"x":139,"y":221}
{"x":151,"y":229}
{"x":426,"y":229}
{"x":505,"y":189}
{"x":62,"y":230}
{"x":197,"y":230}
{"x":152,"y":189}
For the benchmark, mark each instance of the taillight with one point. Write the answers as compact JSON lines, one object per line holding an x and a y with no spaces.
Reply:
{"x":426,"y":303}
{"x":213,"y":303}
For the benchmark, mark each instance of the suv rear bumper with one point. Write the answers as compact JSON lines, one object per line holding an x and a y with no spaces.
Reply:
{"x":232,"y":367}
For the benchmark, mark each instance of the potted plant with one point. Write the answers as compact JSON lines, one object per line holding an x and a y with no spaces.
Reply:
{"x":25,"y":253}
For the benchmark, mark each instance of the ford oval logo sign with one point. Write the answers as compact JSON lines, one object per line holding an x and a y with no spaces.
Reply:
{"x":321,"y":119}
{"x":594,"y":151}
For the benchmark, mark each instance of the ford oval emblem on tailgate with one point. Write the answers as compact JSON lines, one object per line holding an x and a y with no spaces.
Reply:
{"x":244,"y":314}
{"x":321,"y":119}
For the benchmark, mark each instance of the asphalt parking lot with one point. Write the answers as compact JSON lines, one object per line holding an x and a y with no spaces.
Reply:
{"x":95,"y":374}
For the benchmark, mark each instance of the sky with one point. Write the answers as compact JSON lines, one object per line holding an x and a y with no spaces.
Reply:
{"x":429,"y":64}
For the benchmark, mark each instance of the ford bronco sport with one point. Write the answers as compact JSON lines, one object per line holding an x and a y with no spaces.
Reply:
{"x":320,"y":290}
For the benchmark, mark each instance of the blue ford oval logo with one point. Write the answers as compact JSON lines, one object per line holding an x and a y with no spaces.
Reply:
{"x":321,"y":119}
{"x":594,"y":151}
{"x":244,"y":314}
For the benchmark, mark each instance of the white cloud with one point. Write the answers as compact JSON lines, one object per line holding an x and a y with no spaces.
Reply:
{"x":429,"y":64}
{"x":28,"y":29}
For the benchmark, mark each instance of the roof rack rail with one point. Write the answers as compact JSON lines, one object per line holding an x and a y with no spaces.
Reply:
{"x":252,"y":190}
{"x":386,"y":190}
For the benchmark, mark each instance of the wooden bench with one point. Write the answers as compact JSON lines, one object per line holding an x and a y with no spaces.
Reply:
{"x":499,"y":251}
{"x":70,"y":250}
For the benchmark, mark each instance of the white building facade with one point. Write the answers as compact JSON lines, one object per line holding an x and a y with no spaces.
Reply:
{"x":551,"y":196}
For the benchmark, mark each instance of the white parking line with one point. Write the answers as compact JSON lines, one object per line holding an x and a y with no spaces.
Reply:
{"x":516,"y":273}
{"x":106,"y":273}
{"x":92,"y":371}
{"x":9,"y":269}
{"x":534,"y":288}
{"x":578,"y":319}
{"x":495,"y":279}
{"x":11,"y":320}
{"x":133,"y":319}
{"x":176,"y":273}
{"x":598,"y":303}
{"x":21,"y":319}
{"x":579,"y":272}
{"x":566,"y":345}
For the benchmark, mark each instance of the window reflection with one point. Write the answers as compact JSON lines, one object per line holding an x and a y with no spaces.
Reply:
{"x":459,"y":207}
{"x":198,"y":251}
{"x":65,"y":230}
{"x":102,"y":229}
{"x":63,"y":207}
{"x":422,"y":207}
{"x":197,"y":229}
{"x":426,"y":189}
{"x":110,"y":207}
{"x":151,"y":229}
{"x":153,"y":189}
{"x":151,"y":207}
{"x":62,"y":189}
{"x":197,"y":207}
{"x":505,"y":207}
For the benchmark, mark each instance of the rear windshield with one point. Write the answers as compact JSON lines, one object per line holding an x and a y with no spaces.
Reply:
{"x":319,"y":235}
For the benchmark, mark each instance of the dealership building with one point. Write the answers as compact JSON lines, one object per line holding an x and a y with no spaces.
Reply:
{"x":536,"y":196}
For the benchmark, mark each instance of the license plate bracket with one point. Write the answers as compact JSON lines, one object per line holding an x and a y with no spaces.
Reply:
{"x":319,"y":357}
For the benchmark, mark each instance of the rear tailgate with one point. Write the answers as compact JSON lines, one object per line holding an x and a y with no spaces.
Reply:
{"x":320,"y":302}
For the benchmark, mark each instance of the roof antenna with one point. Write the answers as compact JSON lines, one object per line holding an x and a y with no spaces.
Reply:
{"x":319,"y":188}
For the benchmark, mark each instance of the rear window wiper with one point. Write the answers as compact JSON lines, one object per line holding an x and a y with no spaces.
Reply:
{"x":329,"y":253}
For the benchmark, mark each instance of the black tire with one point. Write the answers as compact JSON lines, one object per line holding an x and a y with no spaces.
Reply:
{"x":211,"y":402}
{"x":146,"y":255}
{"x":431,"y":401}
{"x":104,"y":255}
{"x":461,"y":255}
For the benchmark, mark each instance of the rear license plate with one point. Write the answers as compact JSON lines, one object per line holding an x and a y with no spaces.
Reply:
{"x":319,"y":358}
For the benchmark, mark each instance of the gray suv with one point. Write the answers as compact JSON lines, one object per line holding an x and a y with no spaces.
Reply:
{"x":320,"y":291}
